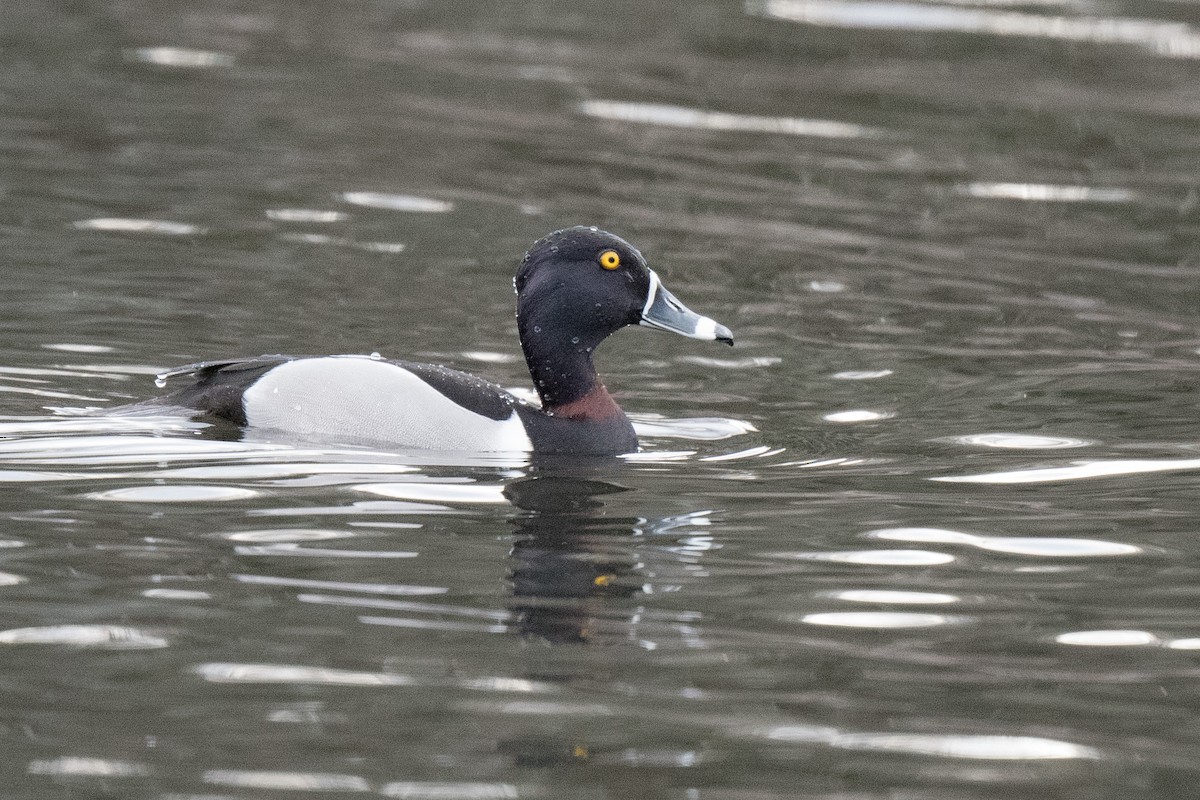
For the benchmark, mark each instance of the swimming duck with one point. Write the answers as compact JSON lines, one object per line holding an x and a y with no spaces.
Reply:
{"x":574,"y":287}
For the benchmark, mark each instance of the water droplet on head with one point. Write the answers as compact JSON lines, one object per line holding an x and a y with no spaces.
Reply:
{"x":376,"y":357}
{"x":160,"y":381}
{"x":574,"y":340}
{"x":537,"y":328}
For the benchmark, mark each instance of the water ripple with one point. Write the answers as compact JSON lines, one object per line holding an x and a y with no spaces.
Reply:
{"x":342,"y":586}
{"x":434,"y":624}
{"x":997,"y":748}
{"x":973,"y":746}
{"x":305,"y":215}
{"x":341,"y":241}
{"x":862,"y":375}
{"x":177,"y":594}
{"x":1019,"y":441}
{"x":878,"y":619}
{"x":498,"y":615}
{"x":749,"y":362}
{"x":1110,"y":638}
{"x":72,"y":347}
{"x":701,"y":119}
{"x":698,"y":429}
{"x":857,"y":415}
{"x":409,"y":790}
{"x":762,"y":451}
{"x":436,"y":492}
{"x":1053,"y":547}
{"x":1080,"y":470}
{"x":893,"y":596}
{"x":180,"y":57}
{"x":50,"y":393}
{"x":291,"y":549}
{"x":541,"y":708}
{"x":174,"y":494}
{"x":1171,"y":39}
{"x":1046,"y":193}
{"x":220,"y":672}
{"x":398,"y":202}
{"x":274,"y":535}
{"x":287,"y":781}
{"x":158,"y":227}
{"x":895,"y":558}
{"x":103,"y":637}
{"x":362,"y":507}
{"x":82,"y":766}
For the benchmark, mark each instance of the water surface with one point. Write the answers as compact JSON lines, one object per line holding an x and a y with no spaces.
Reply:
{"x":927,"y":531}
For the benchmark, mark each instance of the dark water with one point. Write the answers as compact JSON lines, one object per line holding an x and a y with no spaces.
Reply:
{"x":928,"y":531}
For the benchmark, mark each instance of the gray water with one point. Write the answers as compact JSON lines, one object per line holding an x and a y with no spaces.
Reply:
{"x":928,"y":531}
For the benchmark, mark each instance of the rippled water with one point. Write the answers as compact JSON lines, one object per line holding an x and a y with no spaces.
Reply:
{"x":928,"y":531}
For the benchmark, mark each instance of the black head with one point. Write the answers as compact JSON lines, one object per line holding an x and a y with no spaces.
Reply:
{"x":582,"y":280}
{"x":577,"y":286}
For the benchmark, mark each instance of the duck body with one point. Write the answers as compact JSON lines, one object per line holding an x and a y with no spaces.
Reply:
{"x":367,"y":398}
{"x":575,"y":287}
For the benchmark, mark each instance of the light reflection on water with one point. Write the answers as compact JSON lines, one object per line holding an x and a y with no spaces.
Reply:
{"x":680,"y":117}
{"x":1172,"y":39}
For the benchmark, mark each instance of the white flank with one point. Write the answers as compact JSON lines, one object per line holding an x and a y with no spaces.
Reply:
{"x":357,"y":397}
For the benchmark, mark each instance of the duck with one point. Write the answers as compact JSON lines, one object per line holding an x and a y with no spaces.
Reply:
{"x":575,"y":287}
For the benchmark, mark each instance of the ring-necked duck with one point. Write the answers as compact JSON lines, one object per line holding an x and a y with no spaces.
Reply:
{"x":574,"y":288}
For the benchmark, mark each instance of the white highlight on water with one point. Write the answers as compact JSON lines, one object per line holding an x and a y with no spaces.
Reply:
{"x":103,"y":637}
{"x":398,"y":202}
{"x":436,"y":492}
{"x":862,"y":375}
{"x":306,"y":215}
{"x":181,"y":57}
{"x":286,"y":781}
{"x":1079,"y":470}
{"x":857,"y":415}
{"x":989,"y":747}
{"x":1111,"y":638}
{"x":893,"y":596}
{"x":409,"y":790}
{"x":159,"y":227}
{"x":1046,"y":193}
{"x":69,"y":347}
{"x":1019,"y":441}
{"x":84,"y":766}
{"x":881,"y":620}
{"x":683,"y":117}
{"x":1171,"y":39}
{"x":888,"y":558}
{"x":1044,"y":546}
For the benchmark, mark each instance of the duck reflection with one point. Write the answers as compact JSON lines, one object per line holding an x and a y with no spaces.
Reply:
{"x":569,"y":553}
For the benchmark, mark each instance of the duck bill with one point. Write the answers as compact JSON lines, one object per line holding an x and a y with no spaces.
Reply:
{"x":664,"y":311}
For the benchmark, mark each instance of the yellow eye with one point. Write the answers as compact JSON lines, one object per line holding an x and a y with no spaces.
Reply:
{"x":609,"y":259}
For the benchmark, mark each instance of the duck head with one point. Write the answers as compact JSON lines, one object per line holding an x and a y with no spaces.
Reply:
{"x":577,"y":286}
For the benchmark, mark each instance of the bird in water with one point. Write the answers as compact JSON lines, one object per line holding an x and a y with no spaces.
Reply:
{"x":574,"y":287}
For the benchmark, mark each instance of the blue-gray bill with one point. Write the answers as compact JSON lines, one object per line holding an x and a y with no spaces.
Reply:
{"x":664,"y":311}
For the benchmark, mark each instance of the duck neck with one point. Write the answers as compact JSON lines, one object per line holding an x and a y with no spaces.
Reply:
{"x":563,"y":373}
